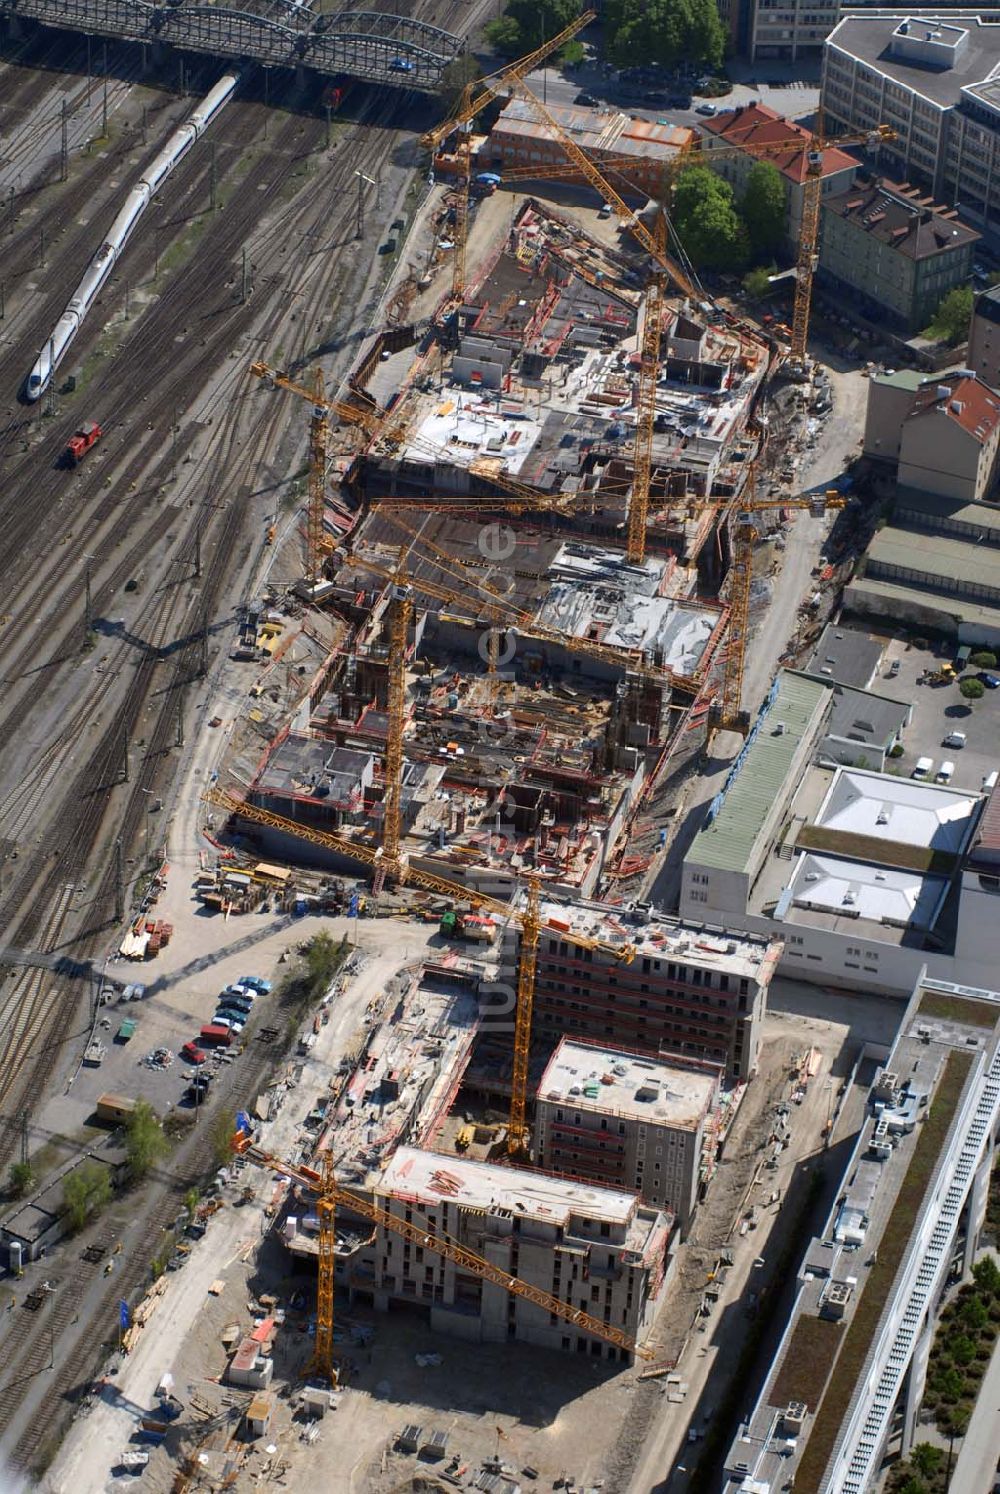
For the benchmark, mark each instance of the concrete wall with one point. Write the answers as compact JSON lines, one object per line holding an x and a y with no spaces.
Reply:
{"x":983,"y":355}
{"x":920,"y":610}
{"x":888,"y":407}
{"x":937,"y":456}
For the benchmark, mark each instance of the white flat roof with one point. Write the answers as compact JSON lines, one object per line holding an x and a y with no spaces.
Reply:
{"x":661,"y":938}
{"x":859,"y":891}
{"x":898,"y":809}
{"x":610,"y":1080}
{"x":464,"y":427}
{"x":433,"y":1179}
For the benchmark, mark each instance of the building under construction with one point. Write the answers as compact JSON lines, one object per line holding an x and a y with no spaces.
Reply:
{"x":534,"y":379}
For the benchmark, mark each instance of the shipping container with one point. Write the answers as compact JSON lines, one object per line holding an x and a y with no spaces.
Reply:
{"x":216,"y":1037}
{"x":116,"y":1108}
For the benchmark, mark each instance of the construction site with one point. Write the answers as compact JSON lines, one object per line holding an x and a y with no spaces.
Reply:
{"x":500,"y":611}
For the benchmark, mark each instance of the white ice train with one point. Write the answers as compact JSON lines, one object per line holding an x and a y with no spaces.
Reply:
{"x":107,"y":256}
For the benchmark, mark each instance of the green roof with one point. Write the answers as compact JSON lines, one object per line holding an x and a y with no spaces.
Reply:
{"x":935,"y":555}
{"x":903,"y":378}
{"x":728,"y":841}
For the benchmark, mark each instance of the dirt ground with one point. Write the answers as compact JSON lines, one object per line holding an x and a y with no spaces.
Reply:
{"x":551,"y":1413}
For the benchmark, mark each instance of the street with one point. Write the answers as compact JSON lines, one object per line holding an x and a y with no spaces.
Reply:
{"x":796,"y":99}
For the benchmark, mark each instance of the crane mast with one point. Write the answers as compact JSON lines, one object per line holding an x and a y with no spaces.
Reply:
{"x":399,"y":624}
{"x":330,"y":1194}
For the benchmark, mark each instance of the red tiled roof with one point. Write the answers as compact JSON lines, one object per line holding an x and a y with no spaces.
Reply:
{"x":754,"y":126}
{"x":967,"y":401}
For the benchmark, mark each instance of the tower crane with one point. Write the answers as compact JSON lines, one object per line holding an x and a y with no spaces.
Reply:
{"x":727,"y":713}
{"x":813,"y":145}
{"x":319,"y":445}
{"x":470,"y":104}
{"x":329,"y":1195}
{"x":529,"y":921}
{"x":629,"y":661}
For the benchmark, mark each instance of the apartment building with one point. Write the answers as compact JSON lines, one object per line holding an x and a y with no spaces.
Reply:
{"x":935,"y":81}
{"x":599,"y":1249}
{"x":983,"y":356}
{"x":898,"y":252}
{"x":689,"y":990}
{"x":627,"y":1120}
{"x":755,"y":131}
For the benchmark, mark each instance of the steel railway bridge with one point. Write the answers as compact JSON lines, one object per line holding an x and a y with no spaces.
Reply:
{"x":365,"y":44}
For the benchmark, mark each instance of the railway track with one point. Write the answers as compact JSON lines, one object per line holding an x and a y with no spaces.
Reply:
{"x":136,"y":509}
{"x":153,"y":343}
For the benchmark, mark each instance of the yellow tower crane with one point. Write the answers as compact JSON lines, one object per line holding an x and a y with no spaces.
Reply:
{"x":475,"y":97}
{"x":401,"y":604}
{"x":329,"y":1195}
{"x":530,"y":922}
{"x":727,"y":713}
{"x":319,"y":448}
{"x":814,"y":146}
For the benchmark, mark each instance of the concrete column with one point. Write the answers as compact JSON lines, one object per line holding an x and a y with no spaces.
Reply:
{"x":915,"y":1383}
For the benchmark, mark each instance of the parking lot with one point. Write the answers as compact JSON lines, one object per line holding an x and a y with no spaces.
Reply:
{"x":938,"y":710}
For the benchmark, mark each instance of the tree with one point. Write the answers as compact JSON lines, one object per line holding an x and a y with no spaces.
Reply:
{"x":454,"y":77}
{"x":706,"y":39}
{"x":86,"y":1191}
{"x":665,"y":31}
{"x":971,"y":689}
{"x":926,"y":1458}
{"x":963,"y":1350}
{"x":757,"y":282}
{"x":912,"y":1484}
{"x":504,"y":36}
{"x":706,"y":222}
{"x":145,"y":1142}
{"x":986,"y":1274}
{"x":21,"y":1179}
{"x":222,"y":1133}
{"x":763,"y":207}
{"x":951,"y":320}
{"x":974,"y":1316}
{"x":323,"y":959}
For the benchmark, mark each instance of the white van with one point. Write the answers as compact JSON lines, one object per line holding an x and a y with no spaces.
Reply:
{"x":946,"y":772}
{"x":954,"y":739}
{"x":922,"y":767}
{"x":990,"y":782}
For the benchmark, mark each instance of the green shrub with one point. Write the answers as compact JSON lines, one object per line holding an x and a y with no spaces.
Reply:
{"x":21,"y":1179}
{"x":984,"y":659}
{"x":971,"y":689}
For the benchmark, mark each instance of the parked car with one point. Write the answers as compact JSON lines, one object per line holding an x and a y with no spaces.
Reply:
{"x":991,"y":681}
{"x":193,"y":1053}
{"x":241,"y":1004}
{"x":587,"y":100}
{"x":923,"y":767}
{"x":254,"y":983}
{"x":707,"y":109}
{"x":946,"y":772}
{"x":242,"y":988}
{"x":954,"y":739}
